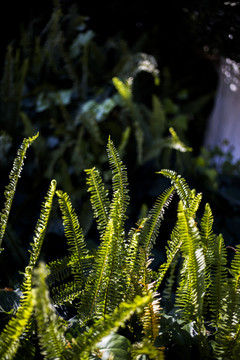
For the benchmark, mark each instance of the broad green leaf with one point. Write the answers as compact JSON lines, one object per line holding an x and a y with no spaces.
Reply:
{"x":114,"y":345}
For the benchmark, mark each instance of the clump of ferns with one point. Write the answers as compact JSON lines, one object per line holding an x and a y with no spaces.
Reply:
{"x":107,"y":288}
{"x":118,"y":284}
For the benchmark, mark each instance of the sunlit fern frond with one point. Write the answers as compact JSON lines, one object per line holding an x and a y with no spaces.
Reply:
{"x":168,"y":291}
{"x":11,"y":187}
{"x":11,"y":335}
{"x":218,"y":279}
{"x":207,"y":235}
{"x":59,"y":270}
{"x":235,"y":266}
{"x":151,"y":315}
{"x":65,"y":293}
{"x":180,"y":185}
{"x":85,"y":343}
{"x":99,"y":198}
{"x":194,"y":203}
{"x":103,"y":289}
{"x":150,"y":228}
{"x":192,"y":285}
{"x":172,"y":249}
{"x":50,"y":328}
{"x":133,"y":249}
{"x":120,"y":178}
{"x":151,"y":318}
{"x":79,"y":260}
{"x":42,"y":223}
{"x":228,"y":334}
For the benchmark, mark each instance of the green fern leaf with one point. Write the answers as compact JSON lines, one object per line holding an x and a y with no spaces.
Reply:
{"x":65,"y":293}
{"x":180,"y":185}
{"x":218,"y":279}
{"x":11,"y":336}
{"x":191,"y":290}
{"x":173,"y":248}
{"x":151,"y":226}
{"x":99,"y":198}
{"x":133,"y":248}
{"x":120,"y":179}
{"x":151,"y":316}
{"x":79,"y":260}
{"x":59,"y":270}
{"x":102,"y":293}
{"x":11,"y":187}
{"x":50,"y":328}
{"x":207,"y":236}
{"x":228,"y":335}
{"x":42,"y":223}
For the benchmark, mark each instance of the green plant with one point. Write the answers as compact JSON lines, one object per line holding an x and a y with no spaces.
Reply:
{"x":114,"y":291}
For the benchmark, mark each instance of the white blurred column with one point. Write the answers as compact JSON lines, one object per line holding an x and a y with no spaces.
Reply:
{"x":224,"y":122}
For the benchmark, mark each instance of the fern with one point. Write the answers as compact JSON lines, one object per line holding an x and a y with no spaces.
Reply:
{"x":151,"y":227}
{"x":59,"y":270}
{"x":50,"y":328}
{"x":79,"y":260}
{"x":11,"y":187}
{"x":218,"y":279}
{"x":11,"y":336}
{"x":192,"y":286}
{"x":119,"y":179}
{"x":41,"y":226}
{"x":207,"y":236}
{"x":173,"y":248}
{"x":99,"y":198}
{"x":105,"y":279}
{"x":228,"y":335}
{"x":180,"y":185}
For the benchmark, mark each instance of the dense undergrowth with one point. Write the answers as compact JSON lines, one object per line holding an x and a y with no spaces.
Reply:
{"x":110,"y":303}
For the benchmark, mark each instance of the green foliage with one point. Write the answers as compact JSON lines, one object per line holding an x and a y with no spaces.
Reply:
{"x":115,"y":292}
{"x":11,"y":188}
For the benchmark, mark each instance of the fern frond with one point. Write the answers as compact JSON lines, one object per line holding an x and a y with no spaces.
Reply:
{"x":207,"y":236}
{"x":50,"y":328}
{"x":86,"y":342}
{"x":120,"y":179}
{"x":99,"y":198}
{"x":79,"y":261}
{"x":151,"y":227}
{"x":59,"y":270}
{"x":173,"y":248}
{"x":42,"y":223}
{"x":151,"y":317}
{"x":235,"y":266}
{"x":11,"y":336}
{"x":228,"y":334}
{"x":11,"y":187}
{"x":102,"y":293}
{"x":133,"y":248}
{"x":192,"y":286}
{"x":180,"y":185}
{"x":90,"y":297}
{"x":194,"y":203}
{"x":65,"y":293}
{"x":218,"y":279}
